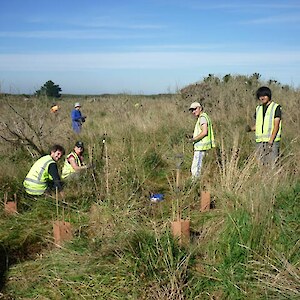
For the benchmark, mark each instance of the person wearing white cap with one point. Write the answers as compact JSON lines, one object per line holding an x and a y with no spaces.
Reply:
{"x":203,"y":137}
{"x":77,"y":118}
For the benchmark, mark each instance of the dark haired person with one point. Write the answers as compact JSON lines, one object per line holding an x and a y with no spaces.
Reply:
{"x":43,"y":175}
{"x":74,"y":162}
{"x":203,"y":137}
{"x":267,"y":127}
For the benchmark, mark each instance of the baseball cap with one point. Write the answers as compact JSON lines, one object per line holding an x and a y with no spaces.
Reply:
{"x":195,"y":105}
{"x":77,"y":104}
{"x":79,"y":144}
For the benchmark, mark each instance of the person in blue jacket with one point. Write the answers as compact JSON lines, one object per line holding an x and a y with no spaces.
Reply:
{"x":77,"y":118}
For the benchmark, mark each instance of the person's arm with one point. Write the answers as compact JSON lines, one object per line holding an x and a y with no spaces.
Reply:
{"x":277,"y":120}
{"x":53,"y":171}
{"x":202,"y":134}
{"x":76,"y":115}
{"x":74,"y":165}
{"x":275,"y":131}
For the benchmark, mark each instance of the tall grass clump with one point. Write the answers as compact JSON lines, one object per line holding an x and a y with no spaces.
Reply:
{"x":245,"y":247}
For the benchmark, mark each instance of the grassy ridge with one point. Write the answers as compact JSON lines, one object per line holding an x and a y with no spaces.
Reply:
{"x":247,"y":247}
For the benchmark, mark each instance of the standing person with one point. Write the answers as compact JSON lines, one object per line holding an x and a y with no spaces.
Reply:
{"x":77,"y":118}
{"x":267,"y":127}
{"x":203,"y":137}
{"x":43,"y":175}
{"x":74,"y":162}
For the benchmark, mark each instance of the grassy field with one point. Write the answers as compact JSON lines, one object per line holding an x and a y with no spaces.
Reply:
{"x":246,"y":247}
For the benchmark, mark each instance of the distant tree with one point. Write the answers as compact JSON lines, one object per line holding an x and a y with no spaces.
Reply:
{"x":49,"y":89}
{"x":256,"y":76}
{"x":226,"y":78}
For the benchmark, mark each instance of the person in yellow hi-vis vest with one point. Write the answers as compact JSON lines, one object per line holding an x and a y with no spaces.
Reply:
{"x":43,"y":175}
{"x":203,"y":137}
{"x":74,"y":162}
{"x":267,"y":127}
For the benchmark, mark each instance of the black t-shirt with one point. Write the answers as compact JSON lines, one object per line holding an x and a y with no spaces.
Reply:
{"x":53,"y":171}
{"x":277,"y":112}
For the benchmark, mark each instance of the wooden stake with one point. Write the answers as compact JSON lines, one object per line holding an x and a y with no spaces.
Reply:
{"x":56,"y":200}
{"x":106,"y":166}
{"x":91,"y":157}
{"x":177,"y":190}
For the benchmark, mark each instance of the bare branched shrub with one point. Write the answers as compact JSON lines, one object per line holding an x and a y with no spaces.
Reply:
{"x":30,"y":127}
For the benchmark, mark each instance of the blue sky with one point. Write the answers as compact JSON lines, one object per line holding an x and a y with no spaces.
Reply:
{"x":145,"y":47}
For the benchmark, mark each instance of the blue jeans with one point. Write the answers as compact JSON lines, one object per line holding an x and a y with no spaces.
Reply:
{"x":76,"y":126}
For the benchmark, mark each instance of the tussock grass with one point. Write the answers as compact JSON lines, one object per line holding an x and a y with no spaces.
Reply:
{"x":122,"y":248}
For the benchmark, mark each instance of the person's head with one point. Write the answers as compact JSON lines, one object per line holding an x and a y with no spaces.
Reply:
{"x":79,"y":147}
{"x":54,"y":108}
{"x":57,"y":151}
{"x":77,"y":105}
{"x":196,"y":108}
{"x":264,"y":94}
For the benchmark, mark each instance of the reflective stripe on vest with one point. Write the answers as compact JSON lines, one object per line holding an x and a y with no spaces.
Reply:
{"x":67,"y":168}
{"x":265,"y":125}
{"x":208,"y":141}
{"x":35,"y":182}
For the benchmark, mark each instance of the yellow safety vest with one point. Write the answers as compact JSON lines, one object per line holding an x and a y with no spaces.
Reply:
{"x":208,"y":141}
{"x":36,"y":180}
{"x":264,"y":126}
{"x":67,"y":168}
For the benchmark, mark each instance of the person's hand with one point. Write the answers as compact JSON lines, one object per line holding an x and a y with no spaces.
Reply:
{"x":91,"y":166}
{"x":189,"y":138}
{"x":248,"y":128}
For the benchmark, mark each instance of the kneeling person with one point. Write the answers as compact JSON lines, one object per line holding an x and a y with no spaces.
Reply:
{"x":43,"y":175}
{"x":74,"y":162}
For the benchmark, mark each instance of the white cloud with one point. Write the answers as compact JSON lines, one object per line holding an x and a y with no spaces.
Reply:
{"x":73,"y":34}
{"x":142,"y":60}
{"x":291,"y":18}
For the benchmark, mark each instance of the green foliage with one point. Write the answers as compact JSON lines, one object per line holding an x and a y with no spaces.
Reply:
{"x":49,"y":89}
{"x":154,"y":163}
{"x":122,"y":248}
{"x":287,"y":220}
{"x":159,"y":262}
{"x":155,"y":257}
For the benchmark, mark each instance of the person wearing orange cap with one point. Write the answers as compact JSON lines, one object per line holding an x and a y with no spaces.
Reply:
{"x":77,"y":118}
{"x":54,"y":108}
